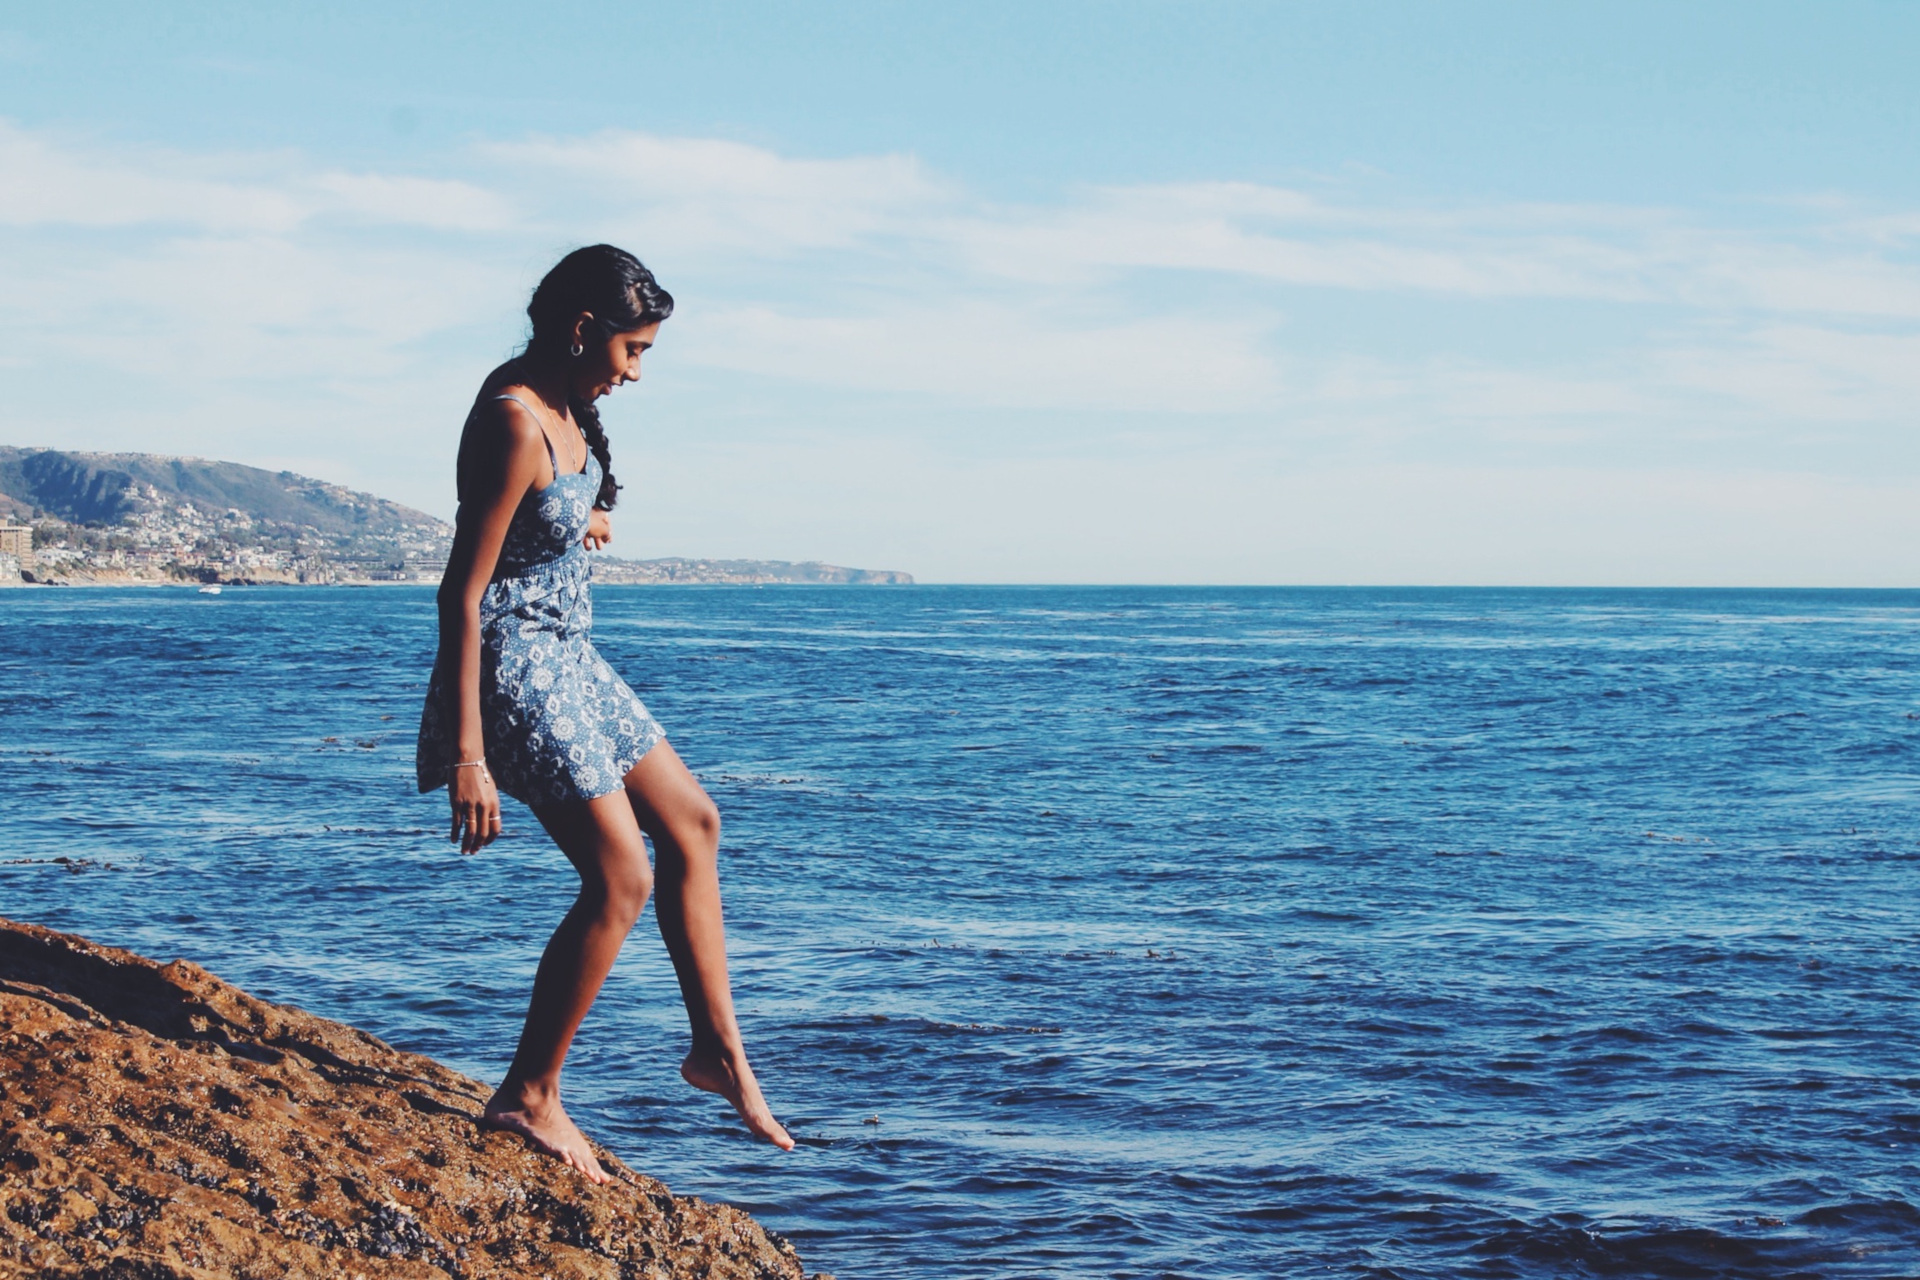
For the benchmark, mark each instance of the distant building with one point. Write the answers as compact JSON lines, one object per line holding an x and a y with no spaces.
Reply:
{"x":16,"y":540}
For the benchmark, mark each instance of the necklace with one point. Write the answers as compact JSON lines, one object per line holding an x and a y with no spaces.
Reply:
{"x":574,"y":468}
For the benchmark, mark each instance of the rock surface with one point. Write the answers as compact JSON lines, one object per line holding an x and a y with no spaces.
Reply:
{"x":157,"y":1123}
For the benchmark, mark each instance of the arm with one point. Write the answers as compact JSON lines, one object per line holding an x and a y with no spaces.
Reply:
{"x":501,"y":458}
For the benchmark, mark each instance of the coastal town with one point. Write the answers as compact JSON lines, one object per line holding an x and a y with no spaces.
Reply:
{"x":80,"y":519}
{"x":162,"y":542}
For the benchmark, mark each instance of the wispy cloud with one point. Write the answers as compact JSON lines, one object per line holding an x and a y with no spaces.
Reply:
{"x":53,"y":184}
{"x":710,"y":195}
{"x":969,"y":352}
{"x":196,"y":295}
{"x":703,"y":199}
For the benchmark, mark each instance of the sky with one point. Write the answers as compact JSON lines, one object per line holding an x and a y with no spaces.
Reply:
{"x":1042,"y":292}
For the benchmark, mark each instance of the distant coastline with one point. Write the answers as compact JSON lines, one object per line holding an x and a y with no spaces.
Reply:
{"x":140,"y":519}
{"x":607,"y":571}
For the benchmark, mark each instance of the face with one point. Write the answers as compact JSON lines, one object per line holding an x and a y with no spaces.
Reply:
{"x":607,"y":361}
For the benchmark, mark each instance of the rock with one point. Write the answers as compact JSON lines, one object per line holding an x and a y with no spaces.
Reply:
{"x":157,"y":1123}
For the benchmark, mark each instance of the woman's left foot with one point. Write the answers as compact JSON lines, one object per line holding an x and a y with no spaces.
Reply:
{"x":541,"y":1120}
{"x":731,"y":1078}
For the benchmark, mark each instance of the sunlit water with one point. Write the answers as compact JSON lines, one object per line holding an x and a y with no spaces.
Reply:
{"x":1106,"y":932}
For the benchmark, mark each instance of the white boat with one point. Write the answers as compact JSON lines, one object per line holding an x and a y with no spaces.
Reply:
{"x":211,"y":589}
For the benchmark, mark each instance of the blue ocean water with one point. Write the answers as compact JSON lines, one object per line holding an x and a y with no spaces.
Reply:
{"x":1107,"y":932}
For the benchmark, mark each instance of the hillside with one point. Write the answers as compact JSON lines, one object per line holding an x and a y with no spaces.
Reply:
{"x":138,"y":516}
{"x":143,"y":517}
{"x":110,"y":488}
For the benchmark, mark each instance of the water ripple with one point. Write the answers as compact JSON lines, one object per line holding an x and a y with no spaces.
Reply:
{"x":1108,"y":932}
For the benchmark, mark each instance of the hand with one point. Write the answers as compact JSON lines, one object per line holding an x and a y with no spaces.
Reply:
{"x":476,"y":808}
{"x":599,"y":529}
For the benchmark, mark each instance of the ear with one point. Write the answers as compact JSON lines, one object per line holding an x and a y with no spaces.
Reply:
{"x":580,"y":328}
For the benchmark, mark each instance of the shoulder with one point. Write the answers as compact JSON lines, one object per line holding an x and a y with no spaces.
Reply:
{"x":505,"y":424}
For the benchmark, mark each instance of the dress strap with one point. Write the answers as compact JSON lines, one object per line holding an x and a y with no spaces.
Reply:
{"x":552,"y":459}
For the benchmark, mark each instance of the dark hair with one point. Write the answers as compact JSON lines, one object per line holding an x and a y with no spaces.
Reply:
{"x":621,"y":295}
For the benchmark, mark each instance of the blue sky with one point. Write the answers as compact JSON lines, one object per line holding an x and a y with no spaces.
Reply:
{"x":1071,"y":292}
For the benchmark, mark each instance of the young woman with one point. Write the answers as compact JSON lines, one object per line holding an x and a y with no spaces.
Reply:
{"x":520,"y":702}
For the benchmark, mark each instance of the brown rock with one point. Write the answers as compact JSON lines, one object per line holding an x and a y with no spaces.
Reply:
{"x":159,"y":1124}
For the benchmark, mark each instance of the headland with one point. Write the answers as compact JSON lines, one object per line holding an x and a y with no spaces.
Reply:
{"x":144,"y":519}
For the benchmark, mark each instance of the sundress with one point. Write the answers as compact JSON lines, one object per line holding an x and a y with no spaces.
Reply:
{"x":558,"y":723}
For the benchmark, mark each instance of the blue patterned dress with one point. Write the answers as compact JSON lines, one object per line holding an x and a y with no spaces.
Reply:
{"x":558,"y":724}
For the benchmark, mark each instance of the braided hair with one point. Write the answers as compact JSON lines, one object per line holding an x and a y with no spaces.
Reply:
{"x":621,"y":295}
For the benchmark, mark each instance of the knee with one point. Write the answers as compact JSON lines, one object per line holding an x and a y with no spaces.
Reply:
{"x":623,"y":891}
{"x":705,"y":823}
{"x":697,"y":826}
{"x":695,"y":834}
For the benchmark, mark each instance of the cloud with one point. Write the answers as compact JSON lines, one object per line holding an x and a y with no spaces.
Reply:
{"x":1527,"y":251}
{"x":50,"y":185}
{"x":1290,"y":237}
{"x":978,"y":353}
{"x":705,"y":195}
{"x":270,"y":306}
{"x":437,"y":204}
{"x":1807,"y":374}
{"x":53,"y":185}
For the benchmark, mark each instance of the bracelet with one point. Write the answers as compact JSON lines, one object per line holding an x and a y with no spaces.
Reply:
{"x":481,"y":765}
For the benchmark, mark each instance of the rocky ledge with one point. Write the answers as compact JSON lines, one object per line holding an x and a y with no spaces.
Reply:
{"x":157,"y":1123}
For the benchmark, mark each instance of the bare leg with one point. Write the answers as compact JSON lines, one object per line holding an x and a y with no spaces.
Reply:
{"x":685,"y":829}
{"x":602,"y":840}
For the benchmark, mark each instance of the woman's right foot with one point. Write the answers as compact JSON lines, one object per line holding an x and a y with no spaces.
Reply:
{"x":731,"y":1078}
{"x":541,"y":1120}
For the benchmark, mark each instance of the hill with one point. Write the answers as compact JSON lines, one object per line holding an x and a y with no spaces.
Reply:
{"x":111,"y":488}
{"x":143,"y":517}
{"x":138,"y":516}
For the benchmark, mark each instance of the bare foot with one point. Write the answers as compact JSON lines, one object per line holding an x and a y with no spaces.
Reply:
{"x":731,"y":1078}
{"x":541,"y":1120}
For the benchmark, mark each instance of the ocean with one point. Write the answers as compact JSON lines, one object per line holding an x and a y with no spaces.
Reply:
{"x":1105,"y":932}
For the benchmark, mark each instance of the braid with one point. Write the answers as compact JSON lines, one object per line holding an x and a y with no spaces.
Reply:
{"x":587,"y":414}
{"x":621,"y":294}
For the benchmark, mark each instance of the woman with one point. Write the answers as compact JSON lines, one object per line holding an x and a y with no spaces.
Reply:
{"x":520,"y":702}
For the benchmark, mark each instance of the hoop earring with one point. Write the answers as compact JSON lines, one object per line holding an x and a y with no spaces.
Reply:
{"x":576,"y":351}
